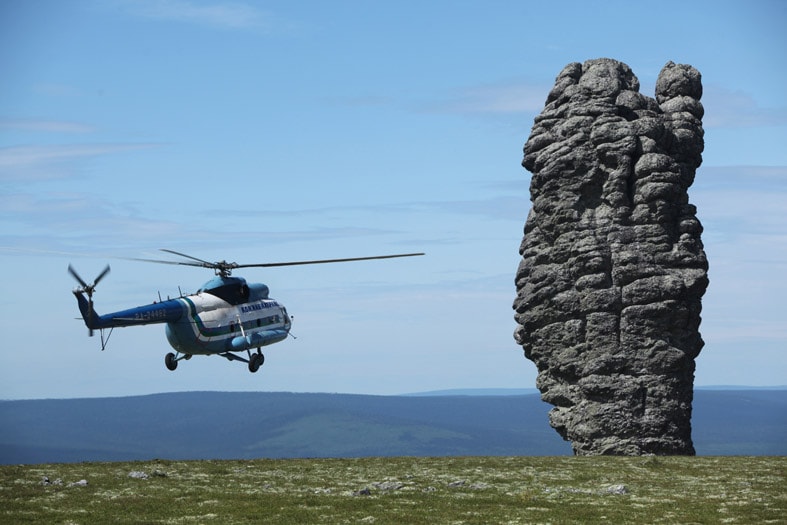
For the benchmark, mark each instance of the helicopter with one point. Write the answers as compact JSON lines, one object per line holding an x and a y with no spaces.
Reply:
{"x":227,"y":316}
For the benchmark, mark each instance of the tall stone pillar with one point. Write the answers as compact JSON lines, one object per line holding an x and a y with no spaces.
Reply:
{"x":613,"y":269}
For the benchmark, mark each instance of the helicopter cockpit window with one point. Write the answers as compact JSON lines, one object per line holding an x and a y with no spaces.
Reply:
{"x":232,"y":293}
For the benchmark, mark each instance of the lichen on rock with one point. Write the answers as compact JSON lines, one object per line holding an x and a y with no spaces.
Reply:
{"x":613,"y":269}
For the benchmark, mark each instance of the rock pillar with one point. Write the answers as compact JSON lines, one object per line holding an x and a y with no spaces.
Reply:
{"x":613,"y":269}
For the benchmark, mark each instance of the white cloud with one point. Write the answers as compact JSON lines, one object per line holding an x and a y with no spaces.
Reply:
{"x":735,"y":109}
{"x":46,"y":126}
{"x":723,"y":108}
{"x":741,"y":201}
{"x":498,"y":98}
{"x":742,"y":211}
{"x":44,"y":162}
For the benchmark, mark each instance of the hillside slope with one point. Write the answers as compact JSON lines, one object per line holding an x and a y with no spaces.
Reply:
{"x":224,"y":425}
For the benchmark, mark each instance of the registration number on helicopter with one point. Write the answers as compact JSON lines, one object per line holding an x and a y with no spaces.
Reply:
{"x":150,"y":315}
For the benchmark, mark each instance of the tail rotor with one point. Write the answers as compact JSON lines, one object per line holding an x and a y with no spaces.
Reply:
{"x":88,"y":289}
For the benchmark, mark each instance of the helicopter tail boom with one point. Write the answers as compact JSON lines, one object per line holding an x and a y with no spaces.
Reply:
{"x":163,"y":312}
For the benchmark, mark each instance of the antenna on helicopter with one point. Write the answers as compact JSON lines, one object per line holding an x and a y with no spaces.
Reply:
{"x":88,"y":289}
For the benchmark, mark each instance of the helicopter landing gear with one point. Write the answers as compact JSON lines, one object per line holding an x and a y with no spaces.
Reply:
{"x":171,"y":361}
{"x":256,"y":361}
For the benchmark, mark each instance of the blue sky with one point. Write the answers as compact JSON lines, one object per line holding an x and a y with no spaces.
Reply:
{"x":274,"y":131}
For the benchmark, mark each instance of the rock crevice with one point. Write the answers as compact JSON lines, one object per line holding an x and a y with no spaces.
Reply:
{"x":613,"y":269}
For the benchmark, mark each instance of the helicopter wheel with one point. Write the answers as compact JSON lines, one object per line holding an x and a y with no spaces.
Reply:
{"x":255,"y":362}
{"x":171,"y":361}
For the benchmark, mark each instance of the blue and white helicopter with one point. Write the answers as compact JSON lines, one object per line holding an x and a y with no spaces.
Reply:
{"x":226,"y":317}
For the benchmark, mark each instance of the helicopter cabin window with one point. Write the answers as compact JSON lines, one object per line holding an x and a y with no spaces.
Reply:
{"x":232,"y":293}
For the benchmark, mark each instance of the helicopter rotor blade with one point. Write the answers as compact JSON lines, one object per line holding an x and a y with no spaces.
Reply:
{"x":177,"y":263}
{"x":103,"y":274}
{"x":199,"y":263}
{"x":76,"y":276}
{"x":324,"y":261}
{"x":88,"y":288}
{"x":225,"y":268}
{"x":186,"y":256}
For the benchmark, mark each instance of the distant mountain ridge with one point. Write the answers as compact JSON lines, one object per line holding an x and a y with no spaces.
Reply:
{"x":245,"y":425}
{"x":478,"y":392}
{"x":529,"y":391}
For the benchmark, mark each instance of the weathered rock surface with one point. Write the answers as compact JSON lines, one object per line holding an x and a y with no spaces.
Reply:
{"x":613,"y":269}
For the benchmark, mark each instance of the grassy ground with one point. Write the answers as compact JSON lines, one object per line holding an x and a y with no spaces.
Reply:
{"x":453,"y":490}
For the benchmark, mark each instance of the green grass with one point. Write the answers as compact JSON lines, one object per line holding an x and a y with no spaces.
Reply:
{"x":403,"y":490}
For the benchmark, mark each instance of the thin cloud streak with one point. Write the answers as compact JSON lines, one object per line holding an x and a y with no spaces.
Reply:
{"x":492,"y":99}
{"x":231,"y":15}
{"x":753,"y":215}
{"x":79,"y":222}
{"x":36,"y":161}
{"x":45,"y":126}
{"x":741,"y":201}
{"x":502,"y":207}
{"x":735,"y":109}
{"x":723,"y":108}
